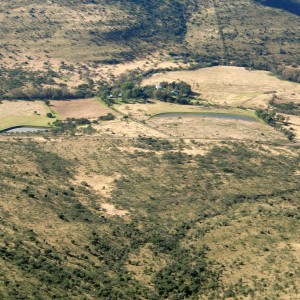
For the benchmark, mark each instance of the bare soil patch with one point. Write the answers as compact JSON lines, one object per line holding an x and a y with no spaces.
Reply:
{"x":82,"y":108}
{"x":102,"y":185}
{"x":113,"y":211}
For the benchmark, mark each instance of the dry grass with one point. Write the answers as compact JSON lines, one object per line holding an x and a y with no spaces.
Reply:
{"x":143,"y":112}
{"x":215,"y":128}
{"x":233,"y":86}
{"x":17,"y":113}
{"x":200,"y":127}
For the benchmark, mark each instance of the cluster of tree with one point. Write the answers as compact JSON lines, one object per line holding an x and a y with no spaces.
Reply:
{"x":290,"y":108}
{"x":272,"y":118}
{"x":290,"y":73}
{"x":41,"y":93}
{"x":174,"y":92}
{"x":17,"y":79}
{"x":153,"y":144}
{"x":70,"y":124}
{"x":18,"y":83}
{"x":108,"y":117}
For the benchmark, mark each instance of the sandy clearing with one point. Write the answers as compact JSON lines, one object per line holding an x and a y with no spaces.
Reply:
{"x":110,"y":209}
{"x":102,"y":185}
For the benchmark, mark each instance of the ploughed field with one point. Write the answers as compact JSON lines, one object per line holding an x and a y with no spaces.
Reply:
{"x":82,"y":108}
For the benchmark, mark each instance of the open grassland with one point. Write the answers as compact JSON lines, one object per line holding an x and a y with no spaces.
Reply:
{"x":203,"y":127}
{"x":19,"y":113}
{"x":233,"y":86}
{"x":82,"y":108}
{"x":102,"y":31}
{"x":143,"y":112}
{"x":199,"y":127}
{"x":243,"y":30}
{"x":148,"y":218}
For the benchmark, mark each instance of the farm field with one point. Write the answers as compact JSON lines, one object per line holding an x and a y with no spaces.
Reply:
{"x":21,"y":113}
{"x":82,"y":108}
{"x":233,"y":86}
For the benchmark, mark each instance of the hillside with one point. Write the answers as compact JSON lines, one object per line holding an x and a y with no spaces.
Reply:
{"x":98,"y":218}
{"x":150,"y":150}
{"x":111,"y":31}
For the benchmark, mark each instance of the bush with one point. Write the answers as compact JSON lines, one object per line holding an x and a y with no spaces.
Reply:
{"x":108,"y":117}
{"x":50,"y":115}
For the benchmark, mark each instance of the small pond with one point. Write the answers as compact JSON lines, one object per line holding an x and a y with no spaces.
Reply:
{"x":206,"y":114}
{"x":24,"y":129}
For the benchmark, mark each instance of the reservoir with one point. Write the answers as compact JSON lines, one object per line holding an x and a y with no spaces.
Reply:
{"x":24,"y":129}
{"x":206,"y":114}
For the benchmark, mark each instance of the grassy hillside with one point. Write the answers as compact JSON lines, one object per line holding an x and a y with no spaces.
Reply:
{"x":120,"y":204}
{"x":111,"y":31}
{"x":143,"y":219}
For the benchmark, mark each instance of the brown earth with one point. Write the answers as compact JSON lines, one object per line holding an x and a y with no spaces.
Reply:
{"x":83,"y":108}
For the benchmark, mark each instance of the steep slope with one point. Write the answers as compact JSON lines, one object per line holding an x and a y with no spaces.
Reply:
{"x":100,"y":218}
{"x":90,"y":30}
{"x":110,"y":31}
{"x":237,"y":31}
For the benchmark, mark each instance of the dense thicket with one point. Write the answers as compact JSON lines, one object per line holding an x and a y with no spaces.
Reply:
{"x":174,"y":92}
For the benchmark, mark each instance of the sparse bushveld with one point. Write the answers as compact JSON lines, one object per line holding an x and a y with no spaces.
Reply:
{"x":196,"y":225}
{"x":149,"y":149}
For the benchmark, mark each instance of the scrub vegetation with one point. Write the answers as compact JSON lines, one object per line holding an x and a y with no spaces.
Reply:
{"x":171,"y":170}
{"x":196,"y":224}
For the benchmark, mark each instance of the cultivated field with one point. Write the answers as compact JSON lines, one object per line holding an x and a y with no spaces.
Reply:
{"x":17,"y":113}
{"x":233,"y":86}
{"x":83,"y":108}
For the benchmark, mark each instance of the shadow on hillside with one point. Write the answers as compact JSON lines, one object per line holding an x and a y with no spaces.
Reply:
{"x":292,"y":6}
